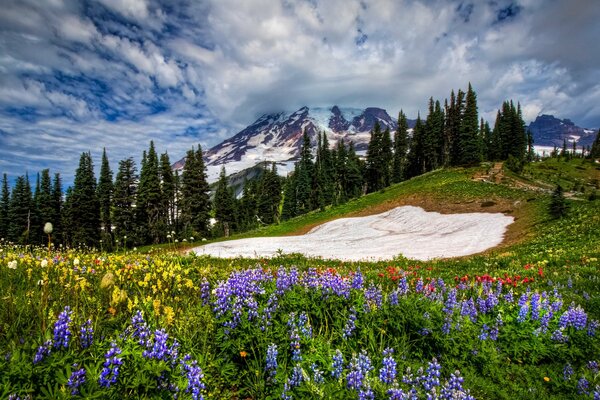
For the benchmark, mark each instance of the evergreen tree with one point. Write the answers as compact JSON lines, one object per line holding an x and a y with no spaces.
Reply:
{"x":558,"y":205}
{"x":485,"y":135}
{"x":400,"y":149}
{"x":124,"y":200}
{"x":325,"y":173}
{"x":19,"y":211}
{"x":57,"y":205}
{"x":105,"y":193}
{"x":530,"y":149}
{"x":248,"y":205}
{"x":373,"y":173}
{"x":224,"y":205}
{"x":195,"y":200}
{"x":469,"y":151}
{"x":433,"y":136}
{"x":168,"y":191}
{"x":149,"y":200}
{"x":36,"y":232}
{"x":386,"y":156}
{"x":416,"y":158}
{"x":594,"y":152}
{"x":355,"y":183}
{"x":340,"y":161}
{"x":269,"y":196}
{"x":85,"y":207}
{"x":66,"y":217}
{"x":45,"y":204}
{"x":304,"y":178}
{"x":289,"y":208}
{"x":4,"y":205}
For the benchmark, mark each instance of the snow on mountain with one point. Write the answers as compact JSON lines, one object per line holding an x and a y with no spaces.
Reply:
{"x":549,"y":131}
{"x":278,"y":137}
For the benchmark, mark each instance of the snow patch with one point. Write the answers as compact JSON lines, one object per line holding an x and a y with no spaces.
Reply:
{"x":408,"y":231}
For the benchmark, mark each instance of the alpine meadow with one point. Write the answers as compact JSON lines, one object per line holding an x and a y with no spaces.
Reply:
{"x":171,"y":248}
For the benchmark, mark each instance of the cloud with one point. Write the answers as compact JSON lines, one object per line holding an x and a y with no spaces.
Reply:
{"x":78,"y":76}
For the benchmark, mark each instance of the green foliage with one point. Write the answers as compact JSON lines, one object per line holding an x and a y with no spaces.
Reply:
{"x":20,"y":210}
{"x":468,"y":140}
{"x":84,"y":206}
{"x":595,"y":150}
{"x":149,"y":202}
{"x":105,"y":194}
{"x":124,"y":196}
{"x":224,"y":205}
{"x":4,"y":207}
{"x":400,"y":149}
{"x":558,"y":205}
{"x":195,"y":201}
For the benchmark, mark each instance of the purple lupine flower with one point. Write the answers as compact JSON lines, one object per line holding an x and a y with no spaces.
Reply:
{"x":387,"y":373}
{"x":194,"y":375}
{"x":310,"y":278}
{"x":337,"y":364}
{"x":357,"y":280}
{"x":593,"y":366}
{"x":508,"y":297}
{"x":366,"y":393}
{"x":468,"y":309}
{"x":43,"y":351}
{"x":559,"y":336}
{"x":158,"y":349}
{"x":268,"y":311}
{"x":110,"y":370}
{"x":535,"y":306}
{"x":592,"y":327}
{"x":252,"y":305}
{"x":295,"y":345}
{"x":575,"y":317}
{"x":271,"y":366}
{"x":570,"y":283}
{"x":583,"y":386}
{"x":523,"y":312}
{"x":296,"y":378}
{"x":447,"y":326}
{"x":62,"y":333}
{"x":317,"y":374}
{"x":359,"y":369}
{"x":86,"y":334}
{"x":393,"y":298}
{"x":76,"y":379}
{"x":545,"y":320}
{"x":403,"y":286}
{"x":286,"y":280}
{"x":485,"y":331}
{"x":432,"y":379}
{"x":419,"y":286}
{"x":450,"y":304}
{"x":597,"y":393}
{"x":350,"y":324}
{"x":140,"y":328}
{"x":567,"y":372}
{"x":397,"y":394}
{"x":205,"y":292}
{"x":374,"y":298}
{"x":304,"y":325}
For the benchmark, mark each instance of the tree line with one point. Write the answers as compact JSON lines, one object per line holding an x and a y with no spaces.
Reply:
{"x":159,"y":204}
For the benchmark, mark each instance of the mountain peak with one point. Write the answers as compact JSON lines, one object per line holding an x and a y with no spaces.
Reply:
{"x":547,"y":130}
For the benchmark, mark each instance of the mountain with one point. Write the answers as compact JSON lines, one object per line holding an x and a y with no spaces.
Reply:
{"x":550,"y":131}
{"x":278,"y":137}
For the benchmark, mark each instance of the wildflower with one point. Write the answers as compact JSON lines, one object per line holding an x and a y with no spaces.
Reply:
{"x":194,"y":375}
{"x":403,"y":286}
{"x":397,"y":394}
{"x":592,"y":326}
{"x":110,"y":370}
{"x":359,"y":369}
{"x":12,"y":264}
{"x":317,"y":374}
{"x":567,"y":372}
{"x":583,"y":386}
{"x":387,"y":373}
{"x":296,"y":378}
{"x":593,"y":366}
{"x":86,"y":334}
{"x":350,"y":324}
{"x":76,"y":379}
{"x":432,"y":379}
{"x":76,"y":262}
{"x":42,"y":351}
{"x":44,"y":263}
{"x":546,"y":379}
{"x":271,"y":366}
{"x":337,"y":364}
{"x":357,"y":280}
{"x":374,"y":298}
{"x":62,"y":333}
{"x":559,"y":336}
{"x":574,"y":316}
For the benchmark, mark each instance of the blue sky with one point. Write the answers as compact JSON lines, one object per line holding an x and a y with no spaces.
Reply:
{"x":78,"y":76}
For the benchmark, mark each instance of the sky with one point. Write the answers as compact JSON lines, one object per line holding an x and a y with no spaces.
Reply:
{"x":79,"y":76}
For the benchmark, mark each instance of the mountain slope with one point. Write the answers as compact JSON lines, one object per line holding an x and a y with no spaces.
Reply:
{"x":550,"y":131}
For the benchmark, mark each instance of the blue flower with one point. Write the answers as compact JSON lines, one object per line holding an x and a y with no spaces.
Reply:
{"x":567,"y":372}
{"x":42,"y":351}
{"x":317,"y":374}
{"x":271,"y":366}
{"x":62,"y":333}
{"x":337,"y":364}
{"x":194,"y":375}
{"x":76,"y":379}
{"x":110,"y":370}
{"x":350,"y":324}
{"x":357,"y":280}
{"x":387,"y":373}
{"x":86,"y":334}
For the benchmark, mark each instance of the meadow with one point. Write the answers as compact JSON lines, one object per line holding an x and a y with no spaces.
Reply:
{"x":518,"y":321}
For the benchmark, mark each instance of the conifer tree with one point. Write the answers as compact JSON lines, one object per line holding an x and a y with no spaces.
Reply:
{"x":35,"y":233}
{"x":168,"y":191}
{"x":355,"y":182}
{"x":530,"y":149}
{"x":325,"y":172}
{"x":304,"y":178}
{"x":248,"y":205}
{"x":386,"y":155}
{"x":19,"y":211}
{"x":416,"y":159}
{"x":594,"y":152}
{"x":340,"y":161}
{"x":289,"y":208}
{"x":558,"y":205}
{"x":57,"y":205}
{"x":374,"y":161}
{"x":124,"y":199}
{"x":269,"y":196}
{"x":105,"y":193}
{"x":149,"y":200}
{"x":45,"y":204}
{"x":433,"y":136}
{"x":400,"y":149}
{"x":224,"y":205}
{"x":85,"y":207}
{"x":469,"y":151}
{"x":485,"y":135}
{"x":4,"y":205}
{"x":195,"y":200}
{"x":66,"y":217}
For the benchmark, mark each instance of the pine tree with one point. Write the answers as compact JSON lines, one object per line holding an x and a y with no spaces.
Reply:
{"x":355,"y":182}
{"x":85,"y":207}
{"x":558,"y":205}
{"x":224,"y":205}
{"x":386,"y":156}
{"x":594,"y":152}
{"x":400,"y":149}
{"x":340,"y":162}
{"x":469,"y":145}
{"x":57,"y":205}
{"x":168,"y":191}
{"x":66,"y":217}
{"x":325,"y":173}
{"x":124,"y":200}
{"x":373,"y":172}
{"x":289,"y":208}
{"x":149,"y":200}
{"x":432,"y":136}
{"x":19,"y":211}
{"x":416,"y":158}
{"x":105,"y":193}
{"x":269,"y":196}
{"x":36,"y":232}
{"x":304,"y":178}
{"x":485,"y":134}
{"x":45,"y":204}
{"x":530,"y":149}
{"x":247,"y":210}
{"x":195,"y":200}
{"x":4,"y":205}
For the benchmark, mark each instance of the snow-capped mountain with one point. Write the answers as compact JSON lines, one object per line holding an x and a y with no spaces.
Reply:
{"x":278,"y":137}
{"x":550,"y":131}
